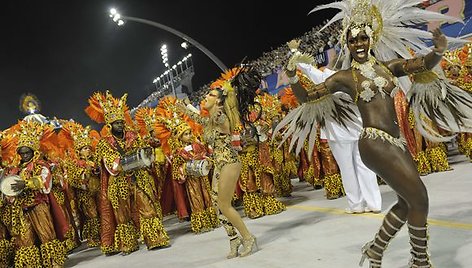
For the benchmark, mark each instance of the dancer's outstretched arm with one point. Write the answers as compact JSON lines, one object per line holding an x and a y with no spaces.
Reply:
{"x":402,"y":67}
{"x":338,"y":82}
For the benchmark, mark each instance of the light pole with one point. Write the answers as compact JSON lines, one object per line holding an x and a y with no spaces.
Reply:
{"x":120,"y":20}
{"x":165,"y":60}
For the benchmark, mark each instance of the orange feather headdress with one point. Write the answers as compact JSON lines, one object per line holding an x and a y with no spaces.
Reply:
{"x":74,"y":136}
{"x":145,"y":118}
{"x":104,"y":108}
{"x":225,"y":79}
{"x":171,"y":123}
{"x":39,"y":137}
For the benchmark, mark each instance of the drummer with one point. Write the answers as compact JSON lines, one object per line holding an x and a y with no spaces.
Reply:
{"x":28,"y":203}
{"x":6,"y":250}
{"x":189,"y":153}
{"x":123,"y":192}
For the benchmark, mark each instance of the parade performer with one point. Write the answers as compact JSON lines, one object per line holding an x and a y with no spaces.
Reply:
{"x":123,"y":192}
{"x":6,"y":249}
{"x":60,"y":194}
{"x":30,"y":214}
{"x":257,"y":173}
{"x":82,"y":176}
{"x":145,"y":119}
{"x":268,"y":175}
{"x":228,"y":104}
{"x":174,"y":197}
{"x":374,"y":28}
{"x":458,"y":68}
{"x":361,"y":187}
{"x":291,"y":161}
{"x":177,"y":130}
{"x":271,"y":114}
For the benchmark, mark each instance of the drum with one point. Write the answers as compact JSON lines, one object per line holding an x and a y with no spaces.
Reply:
{"x":141,"y":159}
{"x":198,"y":168}
{"x":6,"y":185}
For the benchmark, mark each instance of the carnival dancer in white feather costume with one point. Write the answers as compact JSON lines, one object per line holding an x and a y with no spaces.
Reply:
{"x":359,"y":182}
{"x":375,"y":34}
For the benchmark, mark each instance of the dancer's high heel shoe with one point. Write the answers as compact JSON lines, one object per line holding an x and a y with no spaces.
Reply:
{"x":234,"y":246}
{"x":373,"y":263}
{"x":388,"y":230}
{"x":248,"y":246}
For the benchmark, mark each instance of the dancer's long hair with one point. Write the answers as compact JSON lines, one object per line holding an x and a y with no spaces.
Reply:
{"x":237,"y":102}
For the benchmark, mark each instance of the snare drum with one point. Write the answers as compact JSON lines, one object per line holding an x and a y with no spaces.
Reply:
{"x":198,"y":168}
{"x":138,"y":160}
{"x":6,"y":185}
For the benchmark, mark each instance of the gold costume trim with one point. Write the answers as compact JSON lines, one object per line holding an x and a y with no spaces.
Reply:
{"x":91,"y":232}
{"x":375,"y":133}
{"x":438,"y":159}
{"x":272,"y":205}
{"x":253,"y":205}
{"x":28,"y":257}
{"x":6,"y":253}
{"x":53,"y":253}
{"x":153,"y":232}
{"x":422,"y":162}
{"x":333,"y":186}
{"x":126,"y":238}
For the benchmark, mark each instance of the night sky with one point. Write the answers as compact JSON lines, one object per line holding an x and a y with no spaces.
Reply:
{"x":63,"y":51}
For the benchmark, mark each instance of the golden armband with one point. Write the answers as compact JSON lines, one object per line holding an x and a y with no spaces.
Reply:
{"x":317,"y":91}
{"x":414,"y":66}
{"x":425,"y":77}
{"x":314,"y":91}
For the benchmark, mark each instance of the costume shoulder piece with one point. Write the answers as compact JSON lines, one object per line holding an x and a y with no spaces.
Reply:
{"x":437,"y":103}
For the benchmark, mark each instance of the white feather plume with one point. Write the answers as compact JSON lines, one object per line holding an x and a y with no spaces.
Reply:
{"x":400,"y":25}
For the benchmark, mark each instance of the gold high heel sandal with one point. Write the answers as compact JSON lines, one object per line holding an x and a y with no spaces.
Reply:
{"x":234,"y":246}
{"x":248,"y":246}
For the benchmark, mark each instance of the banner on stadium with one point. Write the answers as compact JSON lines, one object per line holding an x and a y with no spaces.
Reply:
{"x":461,"y":9}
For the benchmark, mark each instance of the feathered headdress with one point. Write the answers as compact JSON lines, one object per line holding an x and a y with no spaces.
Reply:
{"x":171,"y":123}
{"x":224,"y":81}
{"x":75,"y":136}
{"x":33,"y":134}
{"x":104,"y":108}
{"x":391,"y":25}
{"x":145,"y":118}
{"x":7,"y":145}
{"x":39,"y":137}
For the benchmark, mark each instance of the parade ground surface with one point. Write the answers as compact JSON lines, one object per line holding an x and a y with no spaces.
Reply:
{"x":315,"y":232}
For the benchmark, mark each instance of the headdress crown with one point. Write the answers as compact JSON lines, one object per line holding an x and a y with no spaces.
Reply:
{"x":104,"y":108}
